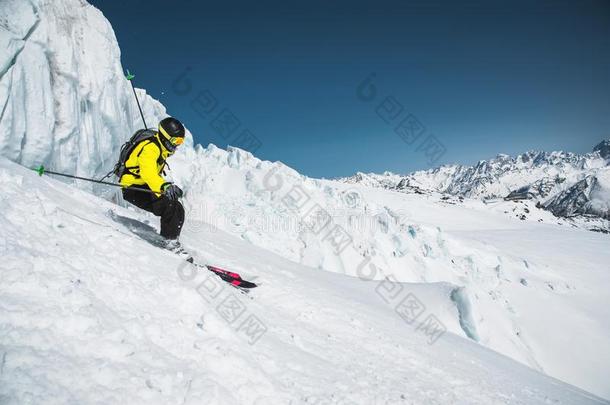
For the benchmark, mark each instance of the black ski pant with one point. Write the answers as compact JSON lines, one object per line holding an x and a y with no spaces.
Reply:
{"x":171,"y":212}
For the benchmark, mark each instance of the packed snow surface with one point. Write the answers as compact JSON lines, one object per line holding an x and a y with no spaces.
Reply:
{"x":532,"y":291}
{"x":92,"y":313}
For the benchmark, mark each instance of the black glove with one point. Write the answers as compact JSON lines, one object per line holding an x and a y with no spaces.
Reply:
{"x":171,"y":191}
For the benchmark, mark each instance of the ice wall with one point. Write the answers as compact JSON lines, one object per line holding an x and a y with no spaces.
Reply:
{"x":64,"y":101}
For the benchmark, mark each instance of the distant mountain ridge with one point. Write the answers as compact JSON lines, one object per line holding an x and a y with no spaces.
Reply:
{"x":564,"y":183}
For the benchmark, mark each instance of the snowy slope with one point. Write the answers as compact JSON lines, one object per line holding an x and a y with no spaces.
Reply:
{"x":520,"y":300}
{"x":89,"y":313}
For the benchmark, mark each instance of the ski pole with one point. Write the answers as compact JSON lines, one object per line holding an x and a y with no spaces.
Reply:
{"x":41,"y":170}
{"x":129,"y":77}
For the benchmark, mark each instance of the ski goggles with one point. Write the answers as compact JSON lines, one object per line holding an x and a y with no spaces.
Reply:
{"x":176,"y":140}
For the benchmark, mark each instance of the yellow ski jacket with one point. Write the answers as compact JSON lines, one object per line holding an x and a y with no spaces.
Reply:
{"x":145,"y":165}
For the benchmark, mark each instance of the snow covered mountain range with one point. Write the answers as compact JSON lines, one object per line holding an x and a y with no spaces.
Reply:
{"x":568,"y":185}
{"x":84,"y":319}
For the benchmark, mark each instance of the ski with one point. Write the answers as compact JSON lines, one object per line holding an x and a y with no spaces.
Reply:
{"x":230,"y":277}
{"x":150,"y":235}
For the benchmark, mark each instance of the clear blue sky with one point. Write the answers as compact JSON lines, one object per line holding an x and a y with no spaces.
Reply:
{"x":483,"y":77}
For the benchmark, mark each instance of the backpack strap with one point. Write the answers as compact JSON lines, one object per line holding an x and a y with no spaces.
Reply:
{"x":160,"y":161}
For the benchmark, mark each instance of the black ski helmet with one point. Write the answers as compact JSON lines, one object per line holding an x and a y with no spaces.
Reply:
{"x":171,"y":127}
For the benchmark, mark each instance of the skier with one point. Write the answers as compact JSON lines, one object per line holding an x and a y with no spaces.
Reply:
{"x":143,"y":168}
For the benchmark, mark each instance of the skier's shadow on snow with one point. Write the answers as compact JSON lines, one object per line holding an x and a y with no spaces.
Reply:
{"x":144,"y":231}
